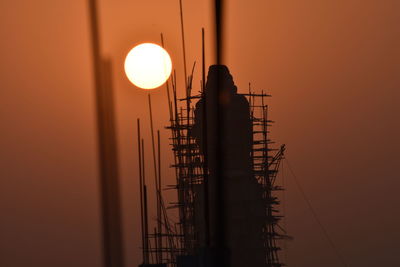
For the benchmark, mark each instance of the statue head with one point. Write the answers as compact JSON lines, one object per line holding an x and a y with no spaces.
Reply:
{"x":220,"y":72}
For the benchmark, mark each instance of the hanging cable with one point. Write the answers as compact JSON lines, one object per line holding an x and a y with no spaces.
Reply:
{"x":324,"y":231}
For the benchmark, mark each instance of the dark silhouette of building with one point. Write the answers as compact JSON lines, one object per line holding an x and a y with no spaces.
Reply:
{"x":244,"y":206}
{"x":236,"y":124}
{"x":223,"y":166}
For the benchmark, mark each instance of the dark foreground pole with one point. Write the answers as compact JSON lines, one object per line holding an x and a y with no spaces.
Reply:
{"x":222,"y":258}
{"x":107,"y":151}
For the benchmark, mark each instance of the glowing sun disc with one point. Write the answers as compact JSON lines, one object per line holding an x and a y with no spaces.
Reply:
{"x":148,"y":66}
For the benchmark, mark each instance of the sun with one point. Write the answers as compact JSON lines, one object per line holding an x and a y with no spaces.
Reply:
{"x":148,"y":66}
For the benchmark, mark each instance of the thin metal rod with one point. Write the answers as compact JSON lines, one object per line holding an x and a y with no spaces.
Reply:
{"x":183,"y":43}
{"x":159,"y":215}
{"x":154,"y":164}
{"x":141,"y":191}
{"x":157,"y":250}
{"x":146,"y":220}
{"x":152,"y":140}
{"x":167,"y":87}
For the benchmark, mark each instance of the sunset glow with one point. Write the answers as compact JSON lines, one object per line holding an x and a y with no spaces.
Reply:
{"x":148,"y":66}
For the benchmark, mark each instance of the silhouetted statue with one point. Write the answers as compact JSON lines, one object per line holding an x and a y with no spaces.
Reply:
{"x":244,"y":205}
{"x":236,"y":125}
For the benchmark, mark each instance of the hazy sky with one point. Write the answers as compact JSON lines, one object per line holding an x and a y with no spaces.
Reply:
{"x":332,"y":67}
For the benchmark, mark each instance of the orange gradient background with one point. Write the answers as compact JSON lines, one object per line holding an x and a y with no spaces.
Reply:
{"x":332,"y":67}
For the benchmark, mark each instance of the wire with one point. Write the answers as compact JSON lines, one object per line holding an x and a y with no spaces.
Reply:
{"x":325,"y":232}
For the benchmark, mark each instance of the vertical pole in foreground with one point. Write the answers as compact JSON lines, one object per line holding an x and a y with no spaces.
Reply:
{"x":107,"y":151}
{"x":221,"y":245}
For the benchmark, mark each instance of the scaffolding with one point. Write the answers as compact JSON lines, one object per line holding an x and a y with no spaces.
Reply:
{"x":191,"y":171}
{"x":170,"y":240}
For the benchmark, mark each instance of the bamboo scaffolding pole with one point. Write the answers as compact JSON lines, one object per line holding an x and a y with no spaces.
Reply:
{"x":183,"y":42}
{"x":155,"y":166}
{"x":145,"y":210}
{"x":141,"y":191}
{"x":167,"y":86}
{"x":159,"y":215}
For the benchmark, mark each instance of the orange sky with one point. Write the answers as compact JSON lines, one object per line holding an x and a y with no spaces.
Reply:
{"x":332,"y":67}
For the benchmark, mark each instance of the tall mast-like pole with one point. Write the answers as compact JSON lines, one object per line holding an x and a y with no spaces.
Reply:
{"x":159,"y":212}
{"x":220,"y":242}
{"x":107,"y":150}
{"x":145,"y":210}
{"x":158,"y":256}
{"x":167,"y":87}
{"x":183,"y":43}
